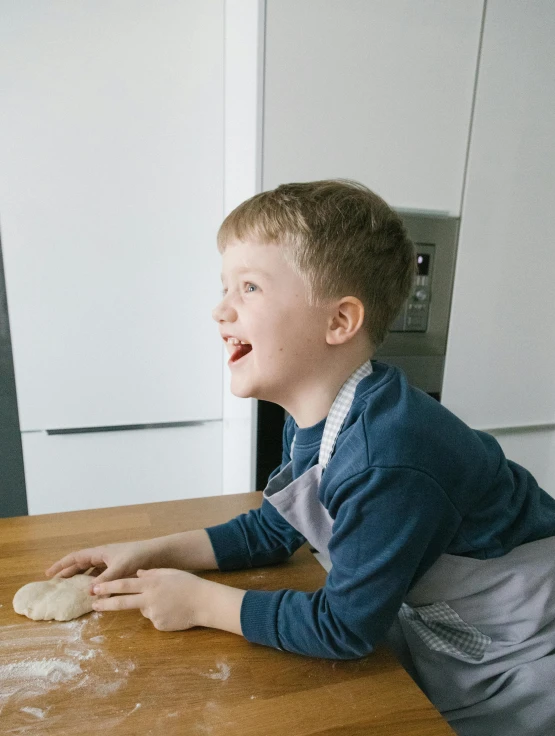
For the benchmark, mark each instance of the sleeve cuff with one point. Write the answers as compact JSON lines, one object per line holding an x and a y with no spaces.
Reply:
{"x":230,"y":547}
{"x":259,"y":617}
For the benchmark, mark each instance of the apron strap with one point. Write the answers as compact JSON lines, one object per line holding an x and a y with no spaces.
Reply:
{"x":338,"y":412}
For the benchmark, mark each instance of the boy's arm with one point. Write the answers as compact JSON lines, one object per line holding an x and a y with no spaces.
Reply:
{"x":187,"y":550}
{"x":258,"y":538}
{"x":391,"y":524}
{"x":220,"y":607}
{"x":261,"y":537}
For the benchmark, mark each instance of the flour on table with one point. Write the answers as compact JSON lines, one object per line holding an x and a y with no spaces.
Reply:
{"x":38,"y":658}
{"x":37,"y":712}
{"x":53,"y":670}
{"x":223,"y":672}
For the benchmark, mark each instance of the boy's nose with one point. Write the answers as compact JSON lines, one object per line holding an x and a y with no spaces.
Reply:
{"x":223,"y":312}
{"x":216,"y":312}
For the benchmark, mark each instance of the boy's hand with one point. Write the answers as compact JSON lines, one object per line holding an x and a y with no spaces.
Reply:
{"x":190,"y":550}
{"x":174,"y":600}
{"x":115,"y":560}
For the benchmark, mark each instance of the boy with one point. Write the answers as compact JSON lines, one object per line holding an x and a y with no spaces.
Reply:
{"x":436,"y":540}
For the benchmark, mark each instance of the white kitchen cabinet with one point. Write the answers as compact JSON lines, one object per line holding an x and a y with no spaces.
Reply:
{"x":501,"y":346}
{"x":375,"y":91}
{"x":111,"y":193}
{"x":68,"y":472}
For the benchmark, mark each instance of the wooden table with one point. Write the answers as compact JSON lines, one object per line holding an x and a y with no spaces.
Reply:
{"x":113,"y":672}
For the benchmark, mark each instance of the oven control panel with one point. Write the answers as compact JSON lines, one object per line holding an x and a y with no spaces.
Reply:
{"x":415,"y":313}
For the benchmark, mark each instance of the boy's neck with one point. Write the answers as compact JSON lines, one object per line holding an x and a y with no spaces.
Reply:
{"x":316,"y":400}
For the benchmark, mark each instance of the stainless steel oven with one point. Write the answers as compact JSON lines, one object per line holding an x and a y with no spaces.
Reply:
{"x":417,"y":340}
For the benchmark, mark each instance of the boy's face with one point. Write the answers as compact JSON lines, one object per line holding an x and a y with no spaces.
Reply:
{"x":264,"y":304}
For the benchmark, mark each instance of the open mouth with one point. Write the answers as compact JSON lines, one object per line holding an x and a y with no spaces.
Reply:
{"x":238,"y":349}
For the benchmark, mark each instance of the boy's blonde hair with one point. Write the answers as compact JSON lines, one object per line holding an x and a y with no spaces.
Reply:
{"x":339,"y":237}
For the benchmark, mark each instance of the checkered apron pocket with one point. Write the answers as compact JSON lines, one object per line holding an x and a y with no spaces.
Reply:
{"x":443,"y":630}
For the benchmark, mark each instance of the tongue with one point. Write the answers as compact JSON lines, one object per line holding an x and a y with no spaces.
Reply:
{"x":239,"y":352}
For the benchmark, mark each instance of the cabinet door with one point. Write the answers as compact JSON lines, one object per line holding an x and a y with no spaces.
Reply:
{"x":375,"y":91}
{"x":68,"y":472}
{"x":534,"y":448}
{"x":111,"y":193}
{"x":501,"y":346}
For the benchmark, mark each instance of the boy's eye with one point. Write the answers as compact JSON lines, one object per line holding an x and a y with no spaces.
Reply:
{"x":249,"y":288}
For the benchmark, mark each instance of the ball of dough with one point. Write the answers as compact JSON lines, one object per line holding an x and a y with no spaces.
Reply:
{"x":61,"y":599}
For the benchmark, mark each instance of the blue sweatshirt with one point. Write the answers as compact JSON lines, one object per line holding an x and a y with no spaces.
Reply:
{"x":407,"y":482}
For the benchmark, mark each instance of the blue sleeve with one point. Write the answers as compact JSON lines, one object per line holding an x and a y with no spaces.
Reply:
{"x":261,"y":537}
{"x":390,"y":525}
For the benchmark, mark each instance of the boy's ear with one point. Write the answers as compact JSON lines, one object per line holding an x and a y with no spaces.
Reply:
{"x":346,"y":320}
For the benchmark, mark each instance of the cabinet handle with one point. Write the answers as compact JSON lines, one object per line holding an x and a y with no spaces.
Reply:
{"x":130,"y":427}
{"x":520,"y":428}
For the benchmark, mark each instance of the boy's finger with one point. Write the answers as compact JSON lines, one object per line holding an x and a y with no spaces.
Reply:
{"x":157,"y":571}
{"x":104,"y":577}
{"x":118,"y":603}
{"x":118,"y":587}
{"x":57,"y":567}
{"x":75,"y":561}
{"x":69,"y":572}
{"x":65,"y":571}
{"x":107,"y":576}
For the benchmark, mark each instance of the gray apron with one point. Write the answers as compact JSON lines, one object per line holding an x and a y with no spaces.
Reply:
{"x":297,"y":499}
{"x":478,"y":636}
